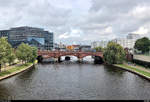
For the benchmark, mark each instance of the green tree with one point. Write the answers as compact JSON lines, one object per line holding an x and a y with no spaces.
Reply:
{"x":11,"y":56}
{"x":99,"y":49}
{"x":34,"y":54}
{"x":23,"y":52}
{"x":142,"y":44}
{"x":114,"y":53}
{"x":5,"y":51}
{"x":26,"y":53}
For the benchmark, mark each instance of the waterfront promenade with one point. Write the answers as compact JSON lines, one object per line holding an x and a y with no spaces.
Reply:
{"x":14,"y":69}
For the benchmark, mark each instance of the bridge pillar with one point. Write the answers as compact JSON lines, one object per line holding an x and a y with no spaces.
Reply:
{"x":80,"y":60}
{"x":98,"y":60}
{"x":40,"y":59}
{"x":59,"y":60}
{"x":56,"y":59}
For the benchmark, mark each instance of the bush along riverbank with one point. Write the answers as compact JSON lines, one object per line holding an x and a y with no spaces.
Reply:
{"x":16,"y":70}
{"x":135,"y":69}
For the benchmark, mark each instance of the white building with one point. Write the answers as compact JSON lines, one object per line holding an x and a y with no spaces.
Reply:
{"x":125,"y":43}
{"x":99,"y":43}
{"x":128,"y":42}
{"x":133,"y":36}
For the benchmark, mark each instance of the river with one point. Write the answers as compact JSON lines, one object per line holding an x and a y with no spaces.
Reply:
{"x":73,"y":81}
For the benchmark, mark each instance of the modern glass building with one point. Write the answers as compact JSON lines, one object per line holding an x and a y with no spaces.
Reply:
{"x":4,"y":33}
{"x":35,"y":41}
{"x":33,"y":36}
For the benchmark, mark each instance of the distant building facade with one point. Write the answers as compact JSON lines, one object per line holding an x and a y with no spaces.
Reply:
{"x":85,"y":48}
{"x":4,"y":33}
{"x":73,"y":47}
{"x":133,"y":36}
{"x":128,"y":42}
{"x":56,"y":46}
{"x":30,"y":35}
{"x":95,"y":44}
{"x":61,"y":46}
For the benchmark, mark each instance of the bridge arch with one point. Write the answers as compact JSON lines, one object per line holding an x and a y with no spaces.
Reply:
{"x":98,"y":60}
{"x":80,"y":55}
{"x":40,"y":58}
{"x":71,"y":56}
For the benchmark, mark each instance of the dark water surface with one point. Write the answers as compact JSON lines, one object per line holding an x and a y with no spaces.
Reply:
{"x":75,"y":81}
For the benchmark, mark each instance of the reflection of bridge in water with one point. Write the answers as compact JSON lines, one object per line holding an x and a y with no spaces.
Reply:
{"x":98,"y":56}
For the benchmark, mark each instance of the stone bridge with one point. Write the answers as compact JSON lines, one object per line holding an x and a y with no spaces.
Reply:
{"x":57,"y":54}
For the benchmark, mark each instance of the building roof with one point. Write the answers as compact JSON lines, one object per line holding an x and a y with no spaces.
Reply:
{"x":27,"y":27}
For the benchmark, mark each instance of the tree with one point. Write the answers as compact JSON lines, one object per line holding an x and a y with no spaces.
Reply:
{"x":11,"y":56}
{"x":23,"y":52}
{"x":26,"y":53}
{"x":114,"y":53}
{"x":5,"y":51}
{"x":34,"y":54}
{"x":99,"y":49}
{"x":142,"y":44}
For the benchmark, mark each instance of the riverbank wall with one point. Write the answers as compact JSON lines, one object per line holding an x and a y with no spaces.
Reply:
{"x":142,"y":63}
{"x":17,"y":72}
{"x":142,"y":60}
{"x":132,"y":71}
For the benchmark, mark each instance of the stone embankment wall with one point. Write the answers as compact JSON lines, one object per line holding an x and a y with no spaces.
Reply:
{"x":142,"y":57}
{"x":142,"y":60}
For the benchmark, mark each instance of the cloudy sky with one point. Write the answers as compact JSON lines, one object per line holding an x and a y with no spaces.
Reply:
{"x":79,"y":21}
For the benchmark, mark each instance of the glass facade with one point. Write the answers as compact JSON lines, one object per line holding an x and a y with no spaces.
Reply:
{"x":4,"y":33}
{"x":33,"y":36}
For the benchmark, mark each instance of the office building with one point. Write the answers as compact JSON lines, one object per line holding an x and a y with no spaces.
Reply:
{"x":4,"y":33}
{"x":33,"y":36}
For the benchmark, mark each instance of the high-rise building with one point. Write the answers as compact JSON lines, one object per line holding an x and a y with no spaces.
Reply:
{"x":33,"y":36}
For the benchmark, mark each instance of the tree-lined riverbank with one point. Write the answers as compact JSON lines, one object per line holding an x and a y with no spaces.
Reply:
{"x":15,"y":70}
{"x":24,"y":54}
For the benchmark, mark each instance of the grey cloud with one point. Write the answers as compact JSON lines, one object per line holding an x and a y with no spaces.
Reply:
{"x":115,"y":13}
{"x":92,"y":17}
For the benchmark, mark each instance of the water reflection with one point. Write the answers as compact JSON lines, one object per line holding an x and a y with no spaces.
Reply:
{"x":113,"y":70}
{"x":74,"y":81}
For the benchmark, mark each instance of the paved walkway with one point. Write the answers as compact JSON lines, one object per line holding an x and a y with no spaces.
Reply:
{"x":138,"y":67}
{"x":9,"y":67}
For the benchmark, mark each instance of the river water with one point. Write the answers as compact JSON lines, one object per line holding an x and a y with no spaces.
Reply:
{"x":73,"y":81}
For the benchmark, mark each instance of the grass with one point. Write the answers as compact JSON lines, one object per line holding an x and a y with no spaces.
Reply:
{"x":134,"y":69}
{"x":14,"y":69}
